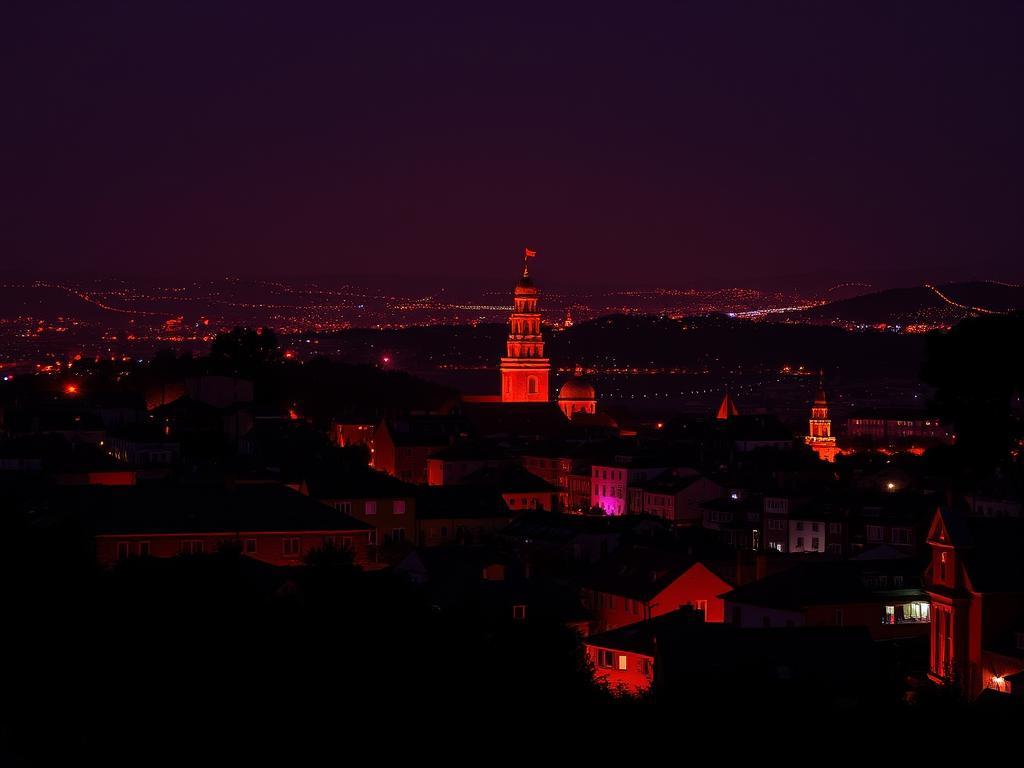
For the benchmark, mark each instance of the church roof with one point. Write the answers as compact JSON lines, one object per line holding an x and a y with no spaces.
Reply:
{"x":577,"y":388}
{"x":728,"y":408}
{"x":820,"y":400}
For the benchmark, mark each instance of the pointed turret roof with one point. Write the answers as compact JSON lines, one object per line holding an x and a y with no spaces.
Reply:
{"x":728,"y":408}
{"x":820,"y":399}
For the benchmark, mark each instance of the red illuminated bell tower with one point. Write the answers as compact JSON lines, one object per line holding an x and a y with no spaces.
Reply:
{"x":524,"y":369}
{"x":820,"y":437}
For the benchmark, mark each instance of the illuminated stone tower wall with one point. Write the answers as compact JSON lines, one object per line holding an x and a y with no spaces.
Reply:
{"x":524,"y":369}
{"x":820,"y":427}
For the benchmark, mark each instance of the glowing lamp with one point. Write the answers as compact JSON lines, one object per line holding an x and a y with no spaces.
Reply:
{"x":70,"y":389}
{"x":998,"y":679}
{"x":660,"y":424}
{"x":891,"y":486}
{"x":387,"y":360}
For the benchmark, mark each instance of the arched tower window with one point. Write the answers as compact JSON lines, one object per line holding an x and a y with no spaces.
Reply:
{"x":531,"y":385}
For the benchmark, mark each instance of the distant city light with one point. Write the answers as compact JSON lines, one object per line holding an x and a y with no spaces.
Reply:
{"x":70,"y":389}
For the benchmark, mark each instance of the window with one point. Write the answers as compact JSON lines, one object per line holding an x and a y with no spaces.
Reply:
{"x":814,"y":543}
{"x":835,"y":528}
{"x":144,"y":549}
{"x":397,"y":534}
{"x":776,"y":525}
{"x":531,"y":385}
{"x":192,"y":547}
{"x":799,"y":542}
{"x":942,"y":567}
{"x":902,"y":536}
{"x":799,"y":526}
{"x":519,"y":612}
{"x":835,"y":549}
{"x":622,"y":665}
{"x":290,"y":546}
{"x":370,"y":508}
{"x":122,"y":550}
{"x":605,"y":659}
{"x":897,"y":581}
{"x":249,"y":547}
{"x":647,"y":667}
{"x":329,"y":541}
{"x":910,"y":613}
{"x":371,"y":536}
{"x":839,"y":617}
{"x":815,"y":527}
{"x":874,"y":533}
{"x":398,"y":507}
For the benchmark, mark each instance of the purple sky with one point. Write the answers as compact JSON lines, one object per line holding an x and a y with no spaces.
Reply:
{"x":683,"y":143}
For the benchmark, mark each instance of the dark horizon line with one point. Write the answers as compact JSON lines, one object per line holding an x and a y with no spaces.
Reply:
{"x":872,"y":280}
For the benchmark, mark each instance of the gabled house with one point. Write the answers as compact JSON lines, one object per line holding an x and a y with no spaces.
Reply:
{"x":623,"y":659}
{"x":453,"y":464}
{"x":374,"y":498}
{"x":677,"y":497}
{"x":845,"y":593}
{"x":266,"y":522}
{"x":486,"y":586}
{"x":639,"y":583}
{"x":459,"y":514}
{"x":975,"y":580}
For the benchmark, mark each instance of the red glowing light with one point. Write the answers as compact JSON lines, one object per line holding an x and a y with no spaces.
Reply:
{"x":387,"y":360}
{"x":71,"y":389}
{"x":289,"y":354}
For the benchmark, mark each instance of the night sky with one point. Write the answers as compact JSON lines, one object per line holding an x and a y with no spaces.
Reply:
{"x":686,"y":143}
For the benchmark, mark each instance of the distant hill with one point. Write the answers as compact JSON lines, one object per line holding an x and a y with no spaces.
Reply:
{"x":946,"y":304}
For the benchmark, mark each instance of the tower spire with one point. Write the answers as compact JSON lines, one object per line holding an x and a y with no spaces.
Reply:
{"x":527,"y":255}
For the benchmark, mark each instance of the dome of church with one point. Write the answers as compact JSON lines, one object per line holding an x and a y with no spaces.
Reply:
{"x":525,"y":285}
{"x":577,"y":388}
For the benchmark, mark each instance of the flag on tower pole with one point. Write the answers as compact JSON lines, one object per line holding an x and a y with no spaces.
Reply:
{"x":527,"y":253}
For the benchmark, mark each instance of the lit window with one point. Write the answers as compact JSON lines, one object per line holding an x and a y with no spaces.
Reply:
{"x":398,"y":507}
{"x":519,"y":612}
{"x":370,"y":508}
{"x":622,"y":665}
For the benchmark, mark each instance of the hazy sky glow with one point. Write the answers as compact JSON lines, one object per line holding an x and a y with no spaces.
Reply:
{"x":685,"y":142}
